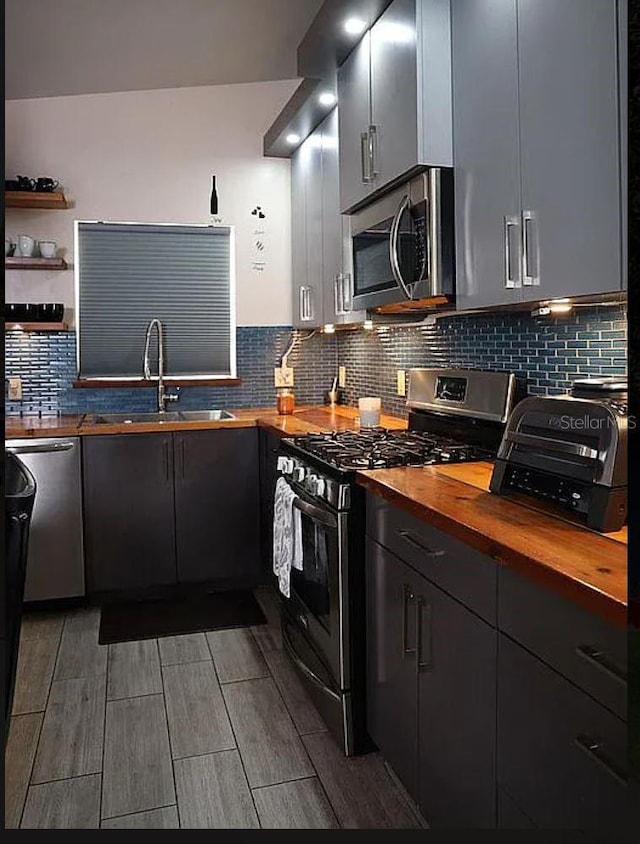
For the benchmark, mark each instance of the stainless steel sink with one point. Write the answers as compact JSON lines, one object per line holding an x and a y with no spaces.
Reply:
{"x":153,"y":418}
{"x":204,"y":415}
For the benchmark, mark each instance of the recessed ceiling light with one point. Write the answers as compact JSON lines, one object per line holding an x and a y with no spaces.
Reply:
{"x":327,"y":98}
{"x":354,"y":26}
{"x":292,"y":138}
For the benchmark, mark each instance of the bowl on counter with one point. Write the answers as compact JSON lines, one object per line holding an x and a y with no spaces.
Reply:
{"x":49,"y":312}
{"x":20,"y":312}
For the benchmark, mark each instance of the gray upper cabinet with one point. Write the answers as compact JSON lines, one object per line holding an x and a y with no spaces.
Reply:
{"x":487,"y":177}
{"x":536,"y":149}
{"x":394,"y":91}
{"x":570,"y":163}
{"x":322,"y":280}
{"x":354,"y":96}
{"x":298,"y":237}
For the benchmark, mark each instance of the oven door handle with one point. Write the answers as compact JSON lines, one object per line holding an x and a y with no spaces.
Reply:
{"x":316,"y":513}
{"x":405,"y":203}
{"x":286,"y":641}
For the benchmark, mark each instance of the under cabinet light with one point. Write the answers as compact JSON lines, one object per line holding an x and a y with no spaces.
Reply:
{"x":552,"y":307}
{"x":292,"y":138}
{"x":354,"y":26}
{"x":327,"y":98}
{"x":329,"y":328}
{"x":368,"y":325}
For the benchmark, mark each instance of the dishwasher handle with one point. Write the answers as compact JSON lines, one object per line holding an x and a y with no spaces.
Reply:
{"x":40,"y":448}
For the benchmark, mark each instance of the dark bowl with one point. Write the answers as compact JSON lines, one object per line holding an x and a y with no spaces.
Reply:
{"x":11,"y":184}
{"x":14,"y":311}
{"x":50,"y":312}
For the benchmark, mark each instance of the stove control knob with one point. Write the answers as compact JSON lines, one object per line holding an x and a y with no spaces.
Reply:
{"x":282,"y":464}
{"x":312,"y":484}
{"x":288,"y":466}
{"x":299,"y":473}
{"x":321,"y":488}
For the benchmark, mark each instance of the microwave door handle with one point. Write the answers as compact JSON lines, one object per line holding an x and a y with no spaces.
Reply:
{"x":393,"y":246}
{"x":435,"y":232}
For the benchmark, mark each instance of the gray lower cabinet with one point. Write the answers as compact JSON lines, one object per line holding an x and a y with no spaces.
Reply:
{"x":167,"y":508}
{"x":536,"y":114}
{"x":129,"y":529}
{"x":431,"y":666}
{"x":561,"y":755}
{"x":217,"y":505}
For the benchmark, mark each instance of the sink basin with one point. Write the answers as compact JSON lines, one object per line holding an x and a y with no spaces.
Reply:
{"x":137,"y":418}
{"x":204,"y":415}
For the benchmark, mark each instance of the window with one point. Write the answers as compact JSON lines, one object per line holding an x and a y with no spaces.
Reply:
{"x":129,"y":273}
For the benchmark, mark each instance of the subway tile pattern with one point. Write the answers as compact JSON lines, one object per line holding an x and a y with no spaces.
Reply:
{"x":46,"y":363}
{"x":549,"y":352}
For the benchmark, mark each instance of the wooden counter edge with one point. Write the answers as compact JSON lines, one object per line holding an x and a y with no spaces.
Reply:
{"x":589,"y":597}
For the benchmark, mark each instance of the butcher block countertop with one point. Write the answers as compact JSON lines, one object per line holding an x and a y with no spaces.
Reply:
{"x":587,"y":567}
{"x":304,"y":420}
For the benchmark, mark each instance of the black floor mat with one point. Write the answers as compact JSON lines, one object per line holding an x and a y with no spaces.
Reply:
{"x":133,"y":620}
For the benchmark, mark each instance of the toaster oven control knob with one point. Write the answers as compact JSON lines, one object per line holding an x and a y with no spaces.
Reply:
{"x":299,"y":473}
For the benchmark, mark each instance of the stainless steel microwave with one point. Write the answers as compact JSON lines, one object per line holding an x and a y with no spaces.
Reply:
{"x":402,"y":244}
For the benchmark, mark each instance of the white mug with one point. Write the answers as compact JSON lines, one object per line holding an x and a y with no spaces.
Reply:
{"x":26,"y":245}
{"x":48,"y":248}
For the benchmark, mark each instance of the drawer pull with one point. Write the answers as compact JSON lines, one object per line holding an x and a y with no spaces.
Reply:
{"x":410,"y":537}
{"x":600,"y":660}
{"x":407,"y":596}
{"x":595,"y":749}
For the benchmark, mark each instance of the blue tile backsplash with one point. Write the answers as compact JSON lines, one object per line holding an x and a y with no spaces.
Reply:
{"x":549,"y":352}
{"x":46,"y":363}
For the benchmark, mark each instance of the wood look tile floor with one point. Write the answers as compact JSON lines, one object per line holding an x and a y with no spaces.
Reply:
{"x":187,"y":732}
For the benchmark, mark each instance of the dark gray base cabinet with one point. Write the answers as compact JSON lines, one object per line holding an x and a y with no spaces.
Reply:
{"x":129,"y":529}
{"x":561,"y":755}
{"x":431,"y":687}
{"x":217,"y":505}
{"x":162,"y":509}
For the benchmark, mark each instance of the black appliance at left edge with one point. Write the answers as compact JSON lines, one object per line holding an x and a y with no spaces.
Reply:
{"x":455,"y":416}
{"x":20,"y":493}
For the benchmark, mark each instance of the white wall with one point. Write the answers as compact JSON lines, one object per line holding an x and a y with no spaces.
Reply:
{"x":148,"y":156}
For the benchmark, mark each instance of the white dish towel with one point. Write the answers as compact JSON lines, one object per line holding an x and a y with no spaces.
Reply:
{"x":287,"y":535}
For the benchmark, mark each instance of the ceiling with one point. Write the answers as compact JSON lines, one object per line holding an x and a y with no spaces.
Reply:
{"x":63,"y":47}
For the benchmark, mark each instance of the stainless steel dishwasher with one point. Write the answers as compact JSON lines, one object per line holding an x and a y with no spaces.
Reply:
{"x":55,"y":561}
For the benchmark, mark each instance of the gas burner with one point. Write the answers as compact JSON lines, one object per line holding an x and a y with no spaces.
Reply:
{"x":379,"y":448}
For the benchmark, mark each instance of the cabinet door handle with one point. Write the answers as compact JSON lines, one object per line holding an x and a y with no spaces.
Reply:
{"x":338,"y":294}
{"x":529,"y":279}
{"x":347,"y":298}
{"x":165,"y":459}
{"x":302,"y":316}
{"x":407,"y":597}
{"x":409,"y":537}
{"x":509,"y":281}
{"x":309,"y":303}
{"x":603,"y":662}
{"x":596,"y":750}
{"x":365,"y":159}
{"x":424,"y":663}
{"x":373,"y":152}
{"x":182,"y":457}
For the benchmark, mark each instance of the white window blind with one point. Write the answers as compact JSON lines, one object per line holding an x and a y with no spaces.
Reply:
{"x":129,"y":273}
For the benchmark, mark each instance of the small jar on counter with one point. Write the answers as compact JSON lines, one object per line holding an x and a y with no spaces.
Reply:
{"x":285,"y":401}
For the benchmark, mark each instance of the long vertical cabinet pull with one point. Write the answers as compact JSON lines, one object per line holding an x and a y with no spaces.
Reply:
{"x":365,"y":157}
{"x":407,"y":597}
{"x":373,"y":152}
{"x":529,"y":277}
{"x":510,"y":281}
{"x":347,"y":293}
{"x":424,"y":654}
{"x":306,"y":309}
{"x":338,"y":294}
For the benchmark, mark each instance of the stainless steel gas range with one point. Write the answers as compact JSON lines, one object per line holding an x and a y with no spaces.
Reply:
{"x":455,"y":416}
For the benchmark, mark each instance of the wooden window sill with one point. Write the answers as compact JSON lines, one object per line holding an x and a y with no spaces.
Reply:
{"x":93,"y":383}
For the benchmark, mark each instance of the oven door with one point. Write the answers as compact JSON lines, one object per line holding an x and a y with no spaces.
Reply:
{"x":318,"y":593}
